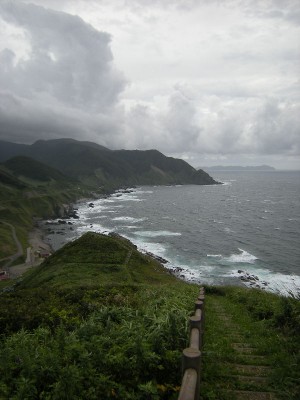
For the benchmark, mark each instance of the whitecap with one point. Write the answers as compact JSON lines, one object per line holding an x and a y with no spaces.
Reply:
{"x":228,"y":230}
{"x":155,"y":248}
{"x":87,"y":228}
{"x":286,"y":285}
{"x":242,"y":257}
{"x":156,"y":233}
{"x":129,"y":219}
{"x":143,"y":191}
{"x":227,"y":183}
{"x":129,"y":226}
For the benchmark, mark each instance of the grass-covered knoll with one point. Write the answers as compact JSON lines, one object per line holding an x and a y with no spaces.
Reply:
{"x":92,"y":332}
{"x":95,"y":260}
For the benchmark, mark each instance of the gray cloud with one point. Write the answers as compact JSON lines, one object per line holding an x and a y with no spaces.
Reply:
{"x":69,"y":68}
{"x":208,"y":78}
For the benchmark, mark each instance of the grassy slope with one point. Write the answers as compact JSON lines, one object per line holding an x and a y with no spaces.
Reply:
{"x":94,"y":165}
{"x":105,"y":321}
{"x":29,"y":190}
{"x":102,"y":320}
{"x":252,"y":344}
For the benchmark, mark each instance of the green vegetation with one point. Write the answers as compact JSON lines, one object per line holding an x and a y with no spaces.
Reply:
{"x":8,"y":245}
{"x":252,"y":343}
{"x":96,"y":165}
{"x":98,"y":319}
{"x":114,"y":328}
{"x":30,"y":190}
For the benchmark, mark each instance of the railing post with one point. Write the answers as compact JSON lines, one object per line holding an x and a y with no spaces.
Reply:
{"x":191,"y":359}
{"x":191,"y":356}
{"x":195,"y":322}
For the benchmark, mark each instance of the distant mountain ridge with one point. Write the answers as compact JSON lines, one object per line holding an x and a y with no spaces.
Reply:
{"x":239,"y":168}
{"x":96,"y":165}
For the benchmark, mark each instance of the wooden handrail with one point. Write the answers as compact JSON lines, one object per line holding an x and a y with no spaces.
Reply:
{"x":191,"y":356}
{"x":189,"y":384}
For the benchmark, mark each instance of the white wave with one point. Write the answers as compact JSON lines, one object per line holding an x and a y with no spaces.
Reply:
{"x":228,"y":230}
{"x":226,"y":183}
{"x":155,"y":248}
{"x":129,"y":226}
{"x":215,"y":255}
{"x":144,"y":191}
{"x":94,"y":228}
{"x":286,"y":285}
{"x":268,"y":201}
{"x":242,"y":257}
{"x":109,"y":200}
{"x":129,"y":219}
{"x":150,"y":234}
{"x":128,"y":198}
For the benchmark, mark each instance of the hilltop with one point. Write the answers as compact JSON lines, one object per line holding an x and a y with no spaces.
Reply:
{"x":95,"y":165}
{"x":109,"y":259}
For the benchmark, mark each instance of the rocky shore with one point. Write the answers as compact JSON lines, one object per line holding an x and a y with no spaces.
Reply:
{"x":252,"y":280}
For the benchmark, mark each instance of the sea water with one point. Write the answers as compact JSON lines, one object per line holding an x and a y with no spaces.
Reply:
{"x":250,"y":223}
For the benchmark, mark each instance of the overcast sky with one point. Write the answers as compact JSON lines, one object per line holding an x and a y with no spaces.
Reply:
{"x":210,"y":81}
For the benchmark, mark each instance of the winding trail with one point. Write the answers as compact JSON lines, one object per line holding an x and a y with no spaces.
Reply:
{"x":129,"y":254}
{"x":19,"y":252}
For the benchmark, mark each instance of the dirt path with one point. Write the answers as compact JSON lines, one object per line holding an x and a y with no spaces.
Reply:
{"x":19,"y":252}
{"x":36,"y":244}
{"x":129,"y":254}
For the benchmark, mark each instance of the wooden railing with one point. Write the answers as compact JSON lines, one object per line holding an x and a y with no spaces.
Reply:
{"x":191,"y":356}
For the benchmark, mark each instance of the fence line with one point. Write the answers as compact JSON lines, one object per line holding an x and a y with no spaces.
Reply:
{"x":191,"y":356}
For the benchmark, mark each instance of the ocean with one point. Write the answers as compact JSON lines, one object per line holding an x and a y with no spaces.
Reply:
{"x":243,"y":232}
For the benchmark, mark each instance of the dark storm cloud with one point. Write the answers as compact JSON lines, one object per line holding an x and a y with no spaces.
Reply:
{"x":68,"y":71}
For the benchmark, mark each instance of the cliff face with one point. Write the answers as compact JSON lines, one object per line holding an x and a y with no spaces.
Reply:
{"x":98,"y":166}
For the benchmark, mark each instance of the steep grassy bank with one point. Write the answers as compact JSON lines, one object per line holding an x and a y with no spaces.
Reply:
{"x":30,"y":190}
{"x":100,"y":320}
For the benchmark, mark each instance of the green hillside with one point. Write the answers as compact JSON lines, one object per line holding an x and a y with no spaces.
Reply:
{"x":95,"y":260}
{"x":26,"y":167}
{"x":30,"y":190}
{"x":96,"y":165}
{"x":98,"y":319}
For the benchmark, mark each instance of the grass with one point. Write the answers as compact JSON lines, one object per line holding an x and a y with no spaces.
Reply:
{"x":99,"y":319}
{"x":268,"y":326}
{"x":83,"y":322}
{"x":8,"y":246}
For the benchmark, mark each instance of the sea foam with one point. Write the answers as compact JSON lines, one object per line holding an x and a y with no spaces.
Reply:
{"x":242,"y":257}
